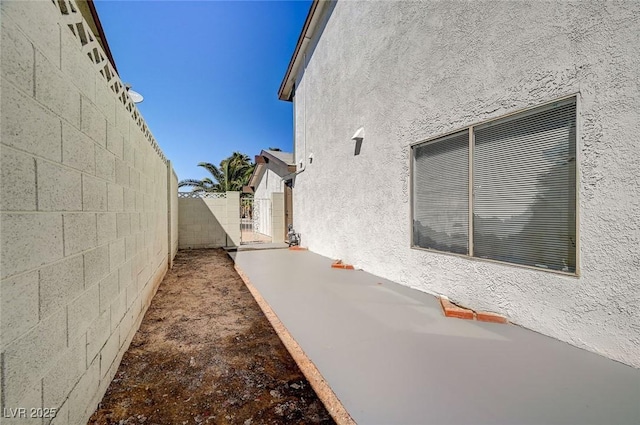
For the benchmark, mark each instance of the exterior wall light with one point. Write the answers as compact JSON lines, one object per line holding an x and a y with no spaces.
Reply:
{"x":359,"y":134}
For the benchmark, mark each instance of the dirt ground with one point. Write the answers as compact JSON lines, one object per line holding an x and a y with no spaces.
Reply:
{"x":206,"y":354}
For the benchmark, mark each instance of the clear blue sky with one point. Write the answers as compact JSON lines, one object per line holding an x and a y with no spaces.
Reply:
{"x":209,"y":72}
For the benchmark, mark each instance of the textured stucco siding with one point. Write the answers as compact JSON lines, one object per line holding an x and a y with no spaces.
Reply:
{"x":409,"y":71}
{"x":84,"y":219}
{"x":270,"y":182}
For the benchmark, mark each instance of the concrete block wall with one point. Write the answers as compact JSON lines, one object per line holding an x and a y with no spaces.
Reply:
{"x":83,"y":218}
{"x":172,"y":199}
{"x":277,"y":217}
{"x":211,"y":222}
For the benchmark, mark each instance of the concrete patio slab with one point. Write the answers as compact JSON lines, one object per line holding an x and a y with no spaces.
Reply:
{"x":391,"y":357}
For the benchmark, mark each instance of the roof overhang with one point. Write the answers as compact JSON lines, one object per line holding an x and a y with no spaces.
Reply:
{"x":308,"y":31}
{"x":265,"y":161}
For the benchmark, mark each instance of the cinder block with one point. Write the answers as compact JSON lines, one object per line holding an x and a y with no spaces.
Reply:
{"x":62,"y":415}
{"x":19,"y":302}
{"x":76,"y":65}
{"x":96,"y":265}
{"x":60,"y":282}
{"x":78,"y":150}
{"x":125,"y":275}
{"x":57,"y":92}
{"x":97,"y":335}
{"x":138,"y":160}
{"x":40,"y":20}
{"x":26,"y":125}
{"x":139,"y":201}
{"x":59,"y":188}
{"x":16,"y":56}
{"x":82,"y":395}
{"x":134,"y":179}
{"x":127,"y":148}
{"x":129,"y":200}
{"x":132,"y":287}
{"x":123,"y":117}
{"x":115,"y":197}
{"x":29,"y":241}
{"x":143,"y":185}
{"x":141,"y":243}
{"x":18,"y":181}
{"x":122,"y":173}
{"x":135,"y":222}
{"x":106,"y":227}
{"x":108,"y":290}
{"x":31,"y":399}
{"x":123,"y":225}
{"x":114,"y":140}
{"x":80,"y":232}
{"x":126,"y":329}
{"x":143,"y":276}
{"x":28,"y":358}
{"x":94,"y":194}
{"x":64,"y":373}
{"x":130,"y":247}
{"x":117,"y":253}
{"x":118,"y":309}
{"x":93,"y":123}
{"x":83,"y":311}
{"x":105,"y":164}
{"x":109,"y":353}
{"x":105,"y":99}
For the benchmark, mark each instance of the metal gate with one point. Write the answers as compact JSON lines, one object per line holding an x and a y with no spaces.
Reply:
{"x":255,"y":220}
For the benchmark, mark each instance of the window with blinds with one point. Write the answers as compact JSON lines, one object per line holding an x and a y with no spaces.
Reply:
{"x":441,"y":194}
{"x":523,"y":190}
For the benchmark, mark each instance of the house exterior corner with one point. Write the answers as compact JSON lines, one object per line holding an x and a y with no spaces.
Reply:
{"x":413,"y":72}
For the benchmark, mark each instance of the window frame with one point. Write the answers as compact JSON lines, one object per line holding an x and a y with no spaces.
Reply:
{"x":471,"y":129}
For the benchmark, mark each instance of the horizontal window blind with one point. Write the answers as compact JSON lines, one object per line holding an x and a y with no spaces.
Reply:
{"x":524,"y":170}
{"x":441,"y":194}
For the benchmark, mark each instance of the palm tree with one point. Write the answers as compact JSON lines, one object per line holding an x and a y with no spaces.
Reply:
{"x":232,"y":174}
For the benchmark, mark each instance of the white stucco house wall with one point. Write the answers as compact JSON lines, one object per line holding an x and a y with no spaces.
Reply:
{"x":451,"y":188}
{"x":272,"y":174}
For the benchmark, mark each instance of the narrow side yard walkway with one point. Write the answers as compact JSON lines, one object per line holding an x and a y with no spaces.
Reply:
{"x":206,"y":354}
{"x":391,"y":357}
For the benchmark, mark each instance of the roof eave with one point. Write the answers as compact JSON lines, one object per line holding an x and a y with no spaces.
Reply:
{"x":273,"y":158}
{"x":308,"y":30}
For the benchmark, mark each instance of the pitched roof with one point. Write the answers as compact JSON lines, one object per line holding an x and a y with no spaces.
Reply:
{"x":282,"y":162}
{"x":285,"y":157}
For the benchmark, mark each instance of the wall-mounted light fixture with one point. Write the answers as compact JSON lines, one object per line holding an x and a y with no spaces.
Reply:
{"x":310,"y":158}
{"x":358,"y":137}
{"x":359,"y":134}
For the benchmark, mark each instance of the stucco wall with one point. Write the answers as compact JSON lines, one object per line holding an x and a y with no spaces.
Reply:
{"x":270,"y":183}
{"x":84,"y":216}
{"x":208,"y":222}
{"x":409,"y":71}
